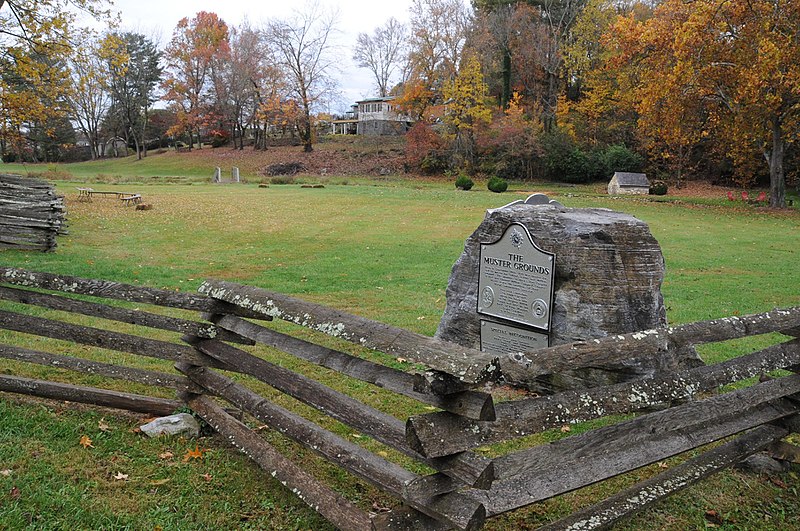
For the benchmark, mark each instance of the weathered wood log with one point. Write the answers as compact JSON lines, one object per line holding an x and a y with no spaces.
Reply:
{"x":578,"y":461}
{"x":470,"y":470}
{"x":435,"y":434}
{"x":368,"y":420}
{"x":31,"y":214}
{"x":456,"y":509}
{"x":154,"y":378}
{"x":335,"y":508}
{"x":120,"y":291}
{"x":406,"y":519}
{"x":88,"y":395}
{"x":624,"y":347}
{"x":469,"y":365}
{"x":135,"y":317}
{"x":95,"y":337}
{"x":646,"y":493}
{"x":651,"y":428}
{"x":470,"y":404}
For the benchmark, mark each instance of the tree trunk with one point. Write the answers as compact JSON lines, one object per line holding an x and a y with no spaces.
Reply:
{"x":307,"y":145}
{"x":777,"y":180}
{"x":506,"y":96}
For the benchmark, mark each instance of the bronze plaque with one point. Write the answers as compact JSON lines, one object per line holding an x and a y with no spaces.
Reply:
{"x":516,"y":279}
{"x":500,"y":339}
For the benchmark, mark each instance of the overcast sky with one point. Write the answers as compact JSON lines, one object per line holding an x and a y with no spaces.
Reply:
{"x":158,"y":18}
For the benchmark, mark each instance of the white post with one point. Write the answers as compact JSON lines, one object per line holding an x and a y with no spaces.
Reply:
{"x":235,"y":174}
{"x":217,"y":175}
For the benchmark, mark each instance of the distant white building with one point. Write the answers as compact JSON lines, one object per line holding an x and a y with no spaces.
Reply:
{"x":380,"y":116}
{"x":628,"y":183}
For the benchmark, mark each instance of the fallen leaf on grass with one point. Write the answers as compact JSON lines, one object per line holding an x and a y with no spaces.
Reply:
{"x":86,"y":442}
{"x":119,"y":476}
{"x":197,"y":453}
{"x":166,"y":455}
{"x":778,"y":483}
{"x":5,"y":473}
{"x":565,"y":429}
{"x":207,"y":477}
{"x":662,"y":464}
{"x":15,"y":493}
{"x":102,"y":426}
{"x":379,"y":509}
{"x":713,"y":517}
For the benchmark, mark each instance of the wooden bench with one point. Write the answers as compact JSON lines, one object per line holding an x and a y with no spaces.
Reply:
{"x":127,"y":198}
{"x":85,"y":194}
{"x":131,"y":199}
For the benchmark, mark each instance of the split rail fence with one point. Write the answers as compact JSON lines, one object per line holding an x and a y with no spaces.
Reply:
{"x":696,"y":406}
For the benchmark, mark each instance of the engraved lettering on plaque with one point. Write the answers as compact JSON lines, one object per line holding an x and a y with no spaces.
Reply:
{"x":500,"y":339}
{"x":516,"y":279}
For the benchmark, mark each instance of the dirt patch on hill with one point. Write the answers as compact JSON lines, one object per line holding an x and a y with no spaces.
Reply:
{"x":341,"y":156}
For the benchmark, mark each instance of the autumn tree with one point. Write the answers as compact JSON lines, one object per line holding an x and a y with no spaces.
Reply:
{"x":240,"y":78}
{"x":35,"y":40}
{"x":45,"y":25}
{"x":384,"y":53}
{"x":465,"y":97}
{"x":494,"y":39}
{"x":304,"y":47}
{"x":510,"y":147}
{"x":439,"y":30}
{"x":733,"y":64}
{"x":190,"y":55}
{"x":88,"y":94}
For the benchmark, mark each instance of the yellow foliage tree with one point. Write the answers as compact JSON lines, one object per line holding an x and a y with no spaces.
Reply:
{"x":465,"y":98}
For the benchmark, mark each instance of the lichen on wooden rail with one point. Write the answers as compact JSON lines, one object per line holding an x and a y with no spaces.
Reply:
{"x":470,"y":366}
{"x":624,"y":347}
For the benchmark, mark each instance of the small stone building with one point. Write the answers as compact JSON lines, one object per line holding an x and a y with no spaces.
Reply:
{"x":628,"y":183}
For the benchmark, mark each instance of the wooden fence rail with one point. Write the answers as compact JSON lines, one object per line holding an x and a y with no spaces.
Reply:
{"x":184,"y":355}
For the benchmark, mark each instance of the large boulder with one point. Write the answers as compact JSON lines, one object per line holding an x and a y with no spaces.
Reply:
{"x":608,"y":275}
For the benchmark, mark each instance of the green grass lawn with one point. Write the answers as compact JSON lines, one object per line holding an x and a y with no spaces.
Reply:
{"x":377,"y":248}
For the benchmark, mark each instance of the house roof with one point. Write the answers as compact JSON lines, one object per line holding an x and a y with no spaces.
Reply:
{"x":631,"y":179}
{"x":372,"y":100}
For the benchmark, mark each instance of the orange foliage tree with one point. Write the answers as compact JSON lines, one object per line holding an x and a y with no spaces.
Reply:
{"x":730,"y":69}
{"x":190,"y":54}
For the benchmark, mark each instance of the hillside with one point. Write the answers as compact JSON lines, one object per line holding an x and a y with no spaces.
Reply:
{"x":339,"y":156}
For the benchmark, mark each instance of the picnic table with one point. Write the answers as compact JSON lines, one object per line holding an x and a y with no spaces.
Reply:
{"x":127,"y":198}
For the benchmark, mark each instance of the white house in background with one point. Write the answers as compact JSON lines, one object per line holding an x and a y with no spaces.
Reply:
{"x":628,"y":183}
{"x":380,"y":116}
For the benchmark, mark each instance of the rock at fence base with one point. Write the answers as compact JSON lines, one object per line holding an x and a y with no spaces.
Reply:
{"x":181,"y":423}
{"x":761,"y":463}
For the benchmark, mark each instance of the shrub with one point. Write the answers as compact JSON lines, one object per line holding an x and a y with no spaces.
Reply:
{"x":464,"y":183}
{"x":658,"y":188}
{"x":620,"y":158}
{"x":497,"y":185}
{"x":425,"y":150}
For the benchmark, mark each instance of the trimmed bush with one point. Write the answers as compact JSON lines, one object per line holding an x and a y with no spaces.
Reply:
{"x":620,"y":158}
{"x":658,"y":188}
{"x":497,"y":185}
{"x":464,"y":183}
